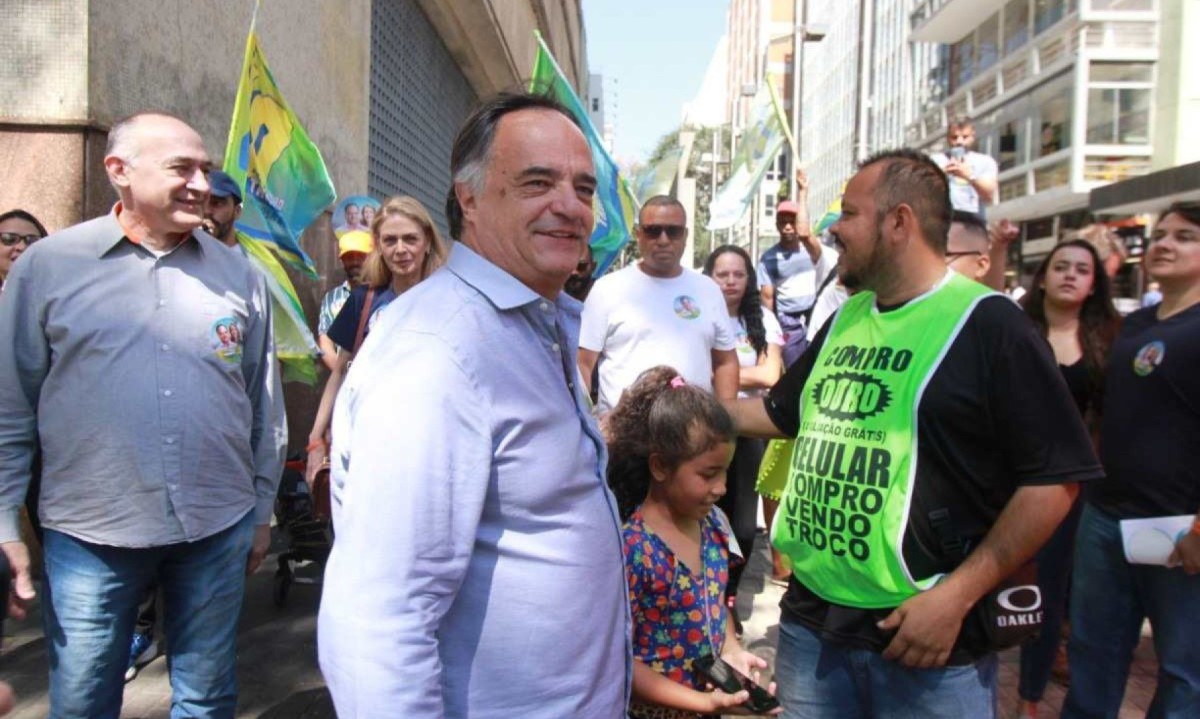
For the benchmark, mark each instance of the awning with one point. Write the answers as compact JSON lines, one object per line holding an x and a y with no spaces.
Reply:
{"x":1148,"y":194}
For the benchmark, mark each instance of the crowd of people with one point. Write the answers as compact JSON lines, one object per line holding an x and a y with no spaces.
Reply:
{"x":544,"y":499}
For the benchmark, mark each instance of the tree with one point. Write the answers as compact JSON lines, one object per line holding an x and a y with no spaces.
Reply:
{"x":701,"y":172}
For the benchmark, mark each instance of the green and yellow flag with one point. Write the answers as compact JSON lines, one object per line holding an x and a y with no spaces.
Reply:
{"x":615,"y":207}
{"x":285,"y":186}
{"x":760,"y":145}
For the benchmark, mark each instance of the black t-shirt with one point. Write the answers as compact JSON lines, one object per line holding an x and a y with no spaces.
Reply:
{"x":1150,"y":434}
{"x":995,"y":416}
{"x":345,"y":326}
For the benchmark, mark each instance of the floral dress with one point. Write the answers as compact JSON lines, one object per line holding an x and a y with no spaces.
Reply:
{"x":678,"y":611}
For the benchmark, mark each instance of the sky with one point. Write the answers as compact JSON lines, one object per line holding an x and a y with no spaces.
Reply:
{"x":657,"y":52}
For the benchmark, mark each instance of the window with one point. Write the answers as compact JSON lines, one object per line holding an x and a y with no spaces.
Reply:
{"x":1121,"y":72}
{"x":962,"y":62}
{"x":1119,"y":116}
{"x":595,"y":104}
{"x":987,"y":49}
{"x":1053,"y":116}
{"x":1046,"y":13}
{"x":1016,"y":25}
{"x":1143,"y":5}
{"x":1119,"y":100}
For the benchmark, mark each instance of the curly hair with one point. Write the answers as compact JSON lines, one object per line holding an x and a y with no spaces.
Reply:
{"x":673,"y":422}
{"x":1098,"y":318}
{"x":750,"y":310}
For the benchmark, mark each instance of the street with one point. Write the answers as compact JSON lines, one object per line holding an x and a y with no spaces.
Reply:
{"x":277,"y":665}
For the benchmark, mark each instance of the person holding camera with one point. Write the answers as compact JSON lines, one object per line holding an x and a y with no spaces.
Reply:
{"x":972,"y":174}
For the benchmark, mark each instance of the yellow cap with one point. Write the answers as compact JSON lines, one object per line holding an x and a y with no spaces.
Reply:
{"x":355,"y":241}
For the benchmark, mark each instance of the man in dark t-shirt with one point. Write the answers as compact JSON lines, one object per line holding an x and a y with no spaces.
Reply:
{"x":1150,"y":442}
{"x":937,"y":450}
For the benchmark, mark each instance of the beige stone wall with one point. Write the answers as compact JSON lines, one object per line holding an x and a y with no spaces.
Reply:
{"x":185,"y":57}
{"x":493,"y":43}
{"x":43,"y":61}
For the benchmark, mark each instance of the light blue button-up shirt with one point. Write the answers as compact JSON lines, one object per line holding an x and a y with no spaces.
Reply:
{"x":477,"y":569}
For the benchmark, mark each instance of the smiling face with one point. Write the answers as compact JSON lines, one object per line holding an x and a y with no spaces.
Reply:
{"x":691,"y":490}
{"x":1174,"y":255}
{"x":404,"y":247}
{"x":730,"y":273}
{"x":160,"y":175}
{"x":533,"y":213}
{"x":856,"y":235}
{"x":1070,"y":277}
{"x":10,"y":253}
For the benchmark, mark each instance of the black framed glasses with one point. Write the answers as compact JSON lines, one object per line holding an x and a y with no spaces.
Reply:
{"x":952,"y":256}
{"x":674,"y":232}
{"x":8,"y":239}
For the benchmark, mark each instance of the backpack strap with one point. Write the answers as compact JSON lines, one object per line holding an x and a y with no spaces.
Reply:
{"x":362,"y":320}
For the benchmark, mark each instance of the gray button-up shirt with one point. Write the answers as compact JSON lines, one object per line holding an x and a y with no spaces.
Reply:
{"x":478,"y":567}
{"x":150,"y":383}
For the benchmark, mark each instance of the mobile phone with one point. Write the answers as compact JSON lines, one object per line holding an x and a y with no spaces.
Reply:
{"x":958,"y":152}
{"x":731,"y":681}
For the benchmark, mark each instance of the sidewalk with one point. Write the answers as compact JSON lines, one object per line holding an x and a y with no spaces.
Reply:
{"x":758,"y":606}
{"x":277,"y":664}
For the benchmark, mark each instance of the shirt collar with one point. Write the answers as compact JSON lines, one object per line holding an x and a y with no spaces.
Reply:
{"x":502,"y":289}
{"x":113,"y":231}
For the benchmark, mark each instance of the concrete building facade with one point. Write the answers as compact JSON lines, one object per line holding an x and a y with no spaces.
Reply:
{"x":380,"y":85}
{"x":1067,"y":96}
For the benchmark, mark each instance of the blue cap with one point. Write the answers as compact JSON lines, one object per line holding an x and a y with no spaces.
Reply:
{"x":222,"y":185}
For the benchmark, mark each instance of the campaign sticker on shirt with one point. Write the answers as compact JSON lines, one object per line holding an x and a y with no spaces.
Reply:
{"x":686,"y":308}
{"x":226,"y":337}
{"x":1148,"y":358}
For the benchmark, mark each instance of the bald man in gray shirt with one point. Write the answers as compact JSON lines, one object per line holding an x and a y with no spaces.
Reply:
{"x":137,"y":352}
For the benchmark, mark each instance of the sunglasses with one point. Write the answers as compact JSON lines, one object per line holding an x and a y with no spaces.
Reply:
{"x":674,"y":232}
{"x":952,"y":256}
{"x":8,"y":239}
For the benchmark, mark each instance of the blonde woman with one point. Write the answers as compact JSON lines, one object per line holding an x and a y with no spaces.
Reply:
{"x":407,"y":249}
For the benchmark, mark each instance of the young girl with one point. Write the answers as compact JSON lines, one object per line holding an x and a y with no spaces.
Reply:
{"x":670,"y":446}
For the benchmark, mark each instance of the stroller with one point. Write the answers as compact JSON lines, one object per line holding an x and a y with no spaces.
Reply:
{"x":305,"y":525}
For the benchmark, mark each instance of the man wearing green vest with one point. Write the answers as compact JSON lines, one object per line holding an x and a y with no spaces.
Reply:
{"x":937,"y":449}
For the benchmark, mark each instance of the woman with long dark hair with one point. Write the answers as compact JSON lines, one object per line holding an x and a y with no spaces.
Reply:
{"x":760,"y":357}
{"x":1071,"y":303}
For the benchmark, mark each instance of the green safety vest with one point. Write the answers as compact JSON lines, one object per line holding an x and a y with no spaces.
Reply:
{"x":845,"y":509}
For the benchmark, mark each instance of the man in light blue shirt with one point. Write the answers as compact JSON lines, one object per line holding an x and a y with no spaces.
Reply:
{"x":478,"y":567}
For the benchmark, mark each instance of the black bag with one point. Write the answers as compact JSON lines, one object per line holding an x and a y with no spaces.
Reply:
{"x":1012,"y":612}
{"x":1006,"y":616}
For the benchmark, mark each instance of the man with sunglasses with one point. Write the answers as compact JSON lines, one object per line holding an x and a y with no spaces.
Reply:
{"x":657,"y":312}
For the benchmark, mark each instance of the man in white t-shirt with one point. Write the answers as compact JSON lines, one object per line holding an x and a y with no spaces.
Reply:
{"x":972,"y":174}
{"x":657,"y":312}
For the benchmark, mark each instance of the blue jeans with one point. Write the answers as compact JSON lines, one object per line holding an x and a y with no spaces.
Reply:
{"x":817,"y":680}
{"x":91,"y":600}
{"x":1054,"y":579}
{"x":1109,"y":599}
